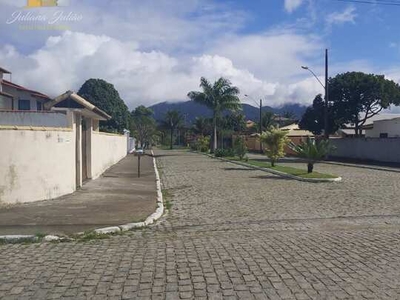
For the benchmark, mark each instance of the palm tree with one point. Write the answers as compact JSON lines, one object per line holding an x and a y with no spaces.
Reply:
{"x":268,"y":120}
{"x":275,"y":141}
{"x":202,"y":126}
{"x":236,"y":121}
{"x":172,"y":120}
{"x":218,"y":97}
{"x":312,"y":151}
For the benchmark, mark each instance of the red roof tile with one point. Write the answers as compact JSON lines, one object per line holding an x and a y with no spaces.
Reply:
{"x":19,"y":87}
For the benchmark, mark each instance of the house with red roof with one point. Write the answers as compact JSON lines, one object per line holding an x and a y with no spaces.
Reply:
{"x":16,"y":97}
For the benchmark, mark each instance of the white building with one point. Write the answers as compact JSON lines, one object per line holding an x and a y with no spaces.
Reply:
{"x":16,"y":97}
{"x":386,"y":128}
{"x":374,"y":126}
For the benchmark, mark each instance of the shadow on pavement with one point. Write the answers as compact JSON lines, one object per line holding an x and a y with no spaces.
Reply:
{"x":274,"y":177}
{"x":239,"y":169}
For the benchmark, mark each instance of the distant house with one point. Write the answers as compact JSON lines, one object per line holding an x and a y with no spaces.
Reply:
{"x":16,"y":97}
{"x":294,"y":133}
{"x":380,"y":125}
{"x":296,"y":136}
{"x":387,"y":128}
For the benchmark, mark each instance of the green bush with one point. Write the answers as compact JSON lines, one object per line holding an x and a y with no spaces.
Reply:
{"x":229,"y":152}
{"x":240,"y":147}
{"x":203,"y":144}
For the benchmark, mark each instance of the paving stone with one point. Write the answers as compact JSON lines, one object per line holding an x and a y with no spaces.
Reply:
{"x":231,"y":233}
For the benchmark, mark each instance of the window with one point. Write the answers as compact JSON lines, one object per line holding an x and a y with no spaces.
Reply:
{"x":5,"y":103}
{"x":383,"y":135}
{"x":24,"y":105}
{"x":39,"y":105}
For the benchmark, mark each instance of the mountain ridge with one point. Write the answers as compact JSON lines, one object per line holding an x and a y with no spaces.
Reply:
{"x":191,"y":110}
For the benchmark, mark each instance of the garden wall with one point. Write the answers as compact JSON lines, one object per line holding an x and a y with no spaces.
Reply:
{"x":377,"y":149}
{"x":107,"y":150}
{"x":36,"y":164}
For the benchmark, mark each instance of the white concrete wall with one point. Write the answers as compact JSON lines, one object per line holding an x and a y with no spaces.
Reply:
{"x":385,"y":150}
{"x":34,"y":118}
{"x":391,"y":127}
{"x":106,"y":150}
{"x":36,"y":165}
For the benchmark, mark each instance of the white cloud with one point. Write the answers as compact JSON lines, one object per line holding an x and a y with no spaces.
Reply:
{"x":274,"y":55}
{"x":292,"y":5}
{"x":346,"y":16}
{"x":168,"y":24}
{"x":66,"y":61}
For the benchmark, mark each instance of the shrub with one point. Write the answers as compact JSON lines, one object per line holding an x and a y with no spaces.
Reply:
{"x":240,"y":147}
{"x":312,"y":151}
{"x":229,"y":152}
{"x":275,"y":141}
{"x":203,"y":144}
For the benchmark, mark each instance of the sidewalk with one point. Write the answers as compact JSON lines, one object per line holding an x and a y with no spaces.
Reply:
{"x":117,"y":197}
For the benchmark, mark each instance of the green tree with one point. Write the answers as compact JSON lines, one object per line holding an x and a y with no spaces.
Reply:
{"x":236,"y":121}
{"x":202,"y":126}
{"x":313,"y":118}
{"x":240,"y":147}
{"x":219,"y":97}
{"x":357,"y":96}
{"x":172,"y":120}
{"x":103,"y":95}
{"x":267,"y":120}
{"x":275,"y":141}
{"x":143,"y":125}
{"x":312,"y":151}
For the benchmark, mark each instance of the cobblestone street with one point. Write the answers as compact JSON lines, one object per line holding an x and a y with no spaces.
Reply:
{"x":231,"y":233}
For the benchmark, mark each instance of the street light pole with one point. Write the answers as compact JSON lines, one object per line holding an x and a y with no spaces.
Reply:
{"x":326,"y":127}
{"x":261,"y":148}
{"x":260,"y":121}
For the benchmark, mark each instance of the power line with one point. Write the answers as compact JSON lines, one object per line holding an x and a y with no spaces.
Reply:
{"x":376,"y":2}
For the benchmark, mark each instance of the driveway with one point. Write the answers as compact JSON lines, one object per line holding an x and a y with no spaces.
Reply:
{"x":231,"y":233}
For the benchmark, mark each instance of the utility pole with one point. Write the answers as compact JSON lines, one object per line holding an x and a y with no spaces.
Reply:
{"x":261,"y":148}
{"x":326,"y":88}
{"x":326,"y":127}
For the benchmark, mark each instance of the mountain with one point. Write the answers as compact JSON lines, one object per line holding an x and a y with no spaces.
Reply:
{"x":192,"y":110}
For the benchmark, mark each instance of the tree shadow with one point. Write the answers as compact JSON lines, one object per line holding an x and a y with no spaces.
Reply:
{"x":238,"y":169}
{"x":164,"y":155}
{"x":282,"y":160}
{"x":270,"y":177}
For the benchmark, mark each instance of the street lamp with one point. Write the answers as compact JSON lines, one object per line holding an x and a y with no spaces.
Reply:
{"x":260,"y":125}
{"x":326,"y":129}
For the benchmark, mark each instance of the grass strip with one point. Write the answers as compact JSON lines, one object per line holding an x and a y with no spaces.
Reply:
{"x":288,"y":170}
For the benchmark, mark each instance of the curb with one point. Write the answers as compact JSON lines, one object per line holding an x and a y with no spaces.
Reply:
{"x":106,"y":230}
{"x":314,"y":180}
{"x":371,"y":167}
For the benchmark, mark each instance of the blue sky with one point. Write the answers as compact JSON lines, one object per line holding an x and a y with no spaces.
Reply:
{"x":156,"y":50}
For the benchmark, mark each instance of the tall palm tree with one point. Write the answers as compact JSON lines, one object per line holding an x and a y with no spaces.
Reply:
{"x":218,"y":97}
{"x":172,"y":120}
{"x":202,"y":126}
